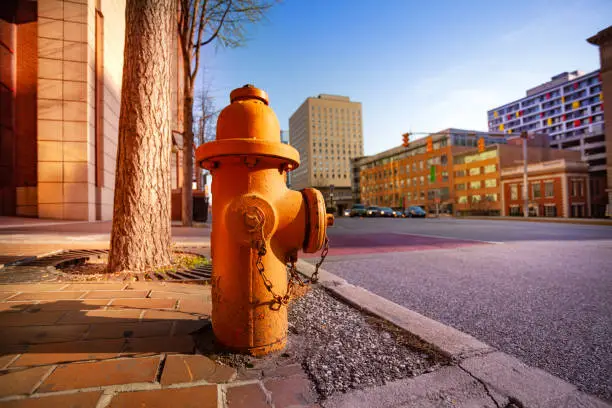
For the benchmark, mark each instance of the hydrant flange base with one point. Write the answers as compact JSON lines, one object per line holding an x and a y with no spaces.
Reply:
{"x":210,"y":152}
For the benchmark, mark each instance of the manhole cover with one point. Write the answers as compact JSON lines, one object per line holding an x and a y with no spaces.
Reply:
{"x":66,"y":259}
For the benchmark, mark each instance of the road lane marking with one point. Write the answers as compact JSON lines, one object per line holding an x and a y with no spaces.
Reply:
{"x":459,"y":239}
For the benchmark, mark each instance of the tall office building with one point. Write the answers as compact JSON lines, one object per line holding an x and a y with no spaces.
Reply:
{"x":327,"y":130}
{"x":569,"y":109}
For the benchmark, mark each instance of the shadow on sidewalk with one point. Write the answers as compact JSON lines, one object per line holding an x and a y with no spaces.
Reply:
{"x":75,"y":330}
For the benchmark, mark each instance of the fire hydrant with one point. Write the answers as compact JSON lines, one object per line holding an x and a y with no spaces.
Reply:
{"x":258,"y":224}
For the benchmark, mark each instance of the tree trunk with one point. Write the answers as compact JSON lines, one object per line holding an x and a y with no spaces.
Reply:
{"x":140,"y":237}
{"x":187,"y":194}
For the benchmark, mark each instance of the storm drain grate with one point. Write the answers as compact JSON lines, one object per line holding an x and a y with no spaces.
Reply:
{"x":12,"y":260}
{"x":66,"y":259}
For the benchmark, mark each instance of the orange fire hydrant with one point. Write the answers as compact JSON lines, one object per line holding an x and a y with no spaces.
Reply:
{"x":258,"y":224}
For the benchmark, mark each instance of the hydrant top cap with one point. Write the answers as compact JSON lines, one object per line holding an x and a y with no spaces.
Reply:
{"x":248,"y":92}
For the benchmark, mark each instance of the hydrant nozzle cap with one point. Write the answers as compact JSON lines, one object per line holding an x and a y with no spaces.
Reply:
{"x":248,"y":92}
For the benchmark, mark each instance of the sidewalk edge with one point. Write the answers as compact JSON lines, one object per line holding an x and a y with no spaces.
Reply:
{"x":498,"y":372}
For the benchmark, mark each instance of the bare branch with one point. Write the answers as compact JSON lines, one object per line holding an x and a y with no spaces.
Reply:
{"x":219,"y":26}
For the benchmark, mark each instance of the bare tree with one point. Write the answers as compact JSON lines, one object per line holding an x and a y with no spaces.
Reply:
{"x":202,"y":22}
{"x":140,"y":237}
{"x":204,"y":123}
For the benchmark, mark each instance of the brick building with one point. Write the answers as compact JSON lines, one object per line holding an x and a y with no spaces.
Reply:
{"x":477,"y":175}
{"x":557,"y":188}
{"x":420,"y":174}
{"x":60,"y":90}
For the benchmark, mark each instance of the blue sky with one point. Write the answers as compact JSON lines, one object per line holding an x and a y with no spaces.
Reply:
{"x":414,"y":65}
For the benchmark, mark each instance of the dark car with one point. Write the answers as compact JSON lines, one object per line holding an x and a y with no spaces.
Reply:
{"x":358,"y":210}
{"x":373,"y":211}
{"x":387,"y":212}
{"x":415,"y":212}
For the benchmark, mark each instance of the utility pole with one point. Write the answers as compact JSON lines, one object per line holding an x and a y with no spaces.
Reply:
{"x":525,"y":185}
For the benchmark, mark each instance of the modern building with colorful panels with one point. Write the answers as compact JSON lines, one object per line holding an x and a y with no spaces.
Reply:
{"x":569,"y":109}
{"x":419,"y":174}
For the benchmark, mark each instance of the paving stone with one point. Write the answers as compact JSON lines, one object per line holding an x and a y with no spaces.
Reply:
{"x":28,"y":319}
{"x":89,"y":304}
{"x":116,"y":294}
{"x":168,"y":315}
{"x":195,"y":306}
{"x":115,"y":372}
{"x":156,"y":294}
{"x":181,"y":368}
{"x":144,"y":303}
{"x":78,"y":400}
{"x":127,"y":330}
{"x":65,"y":352}
{"x":32,"y":287}
{"x":48,"y":295}
{"x":247,"y":396}
{"x":100,"y":316}
{"x":284,"y":371}
{"x":176,"y":344}
{"x":5,"y":359}
{"x":22,"y":381}
{"x":291,"y":391}
{"x":42,"y":334}
{"x":6,"y":295}
{"x":189,"y":326}
{"x":204,"y":396}
{"x":96,"y":286}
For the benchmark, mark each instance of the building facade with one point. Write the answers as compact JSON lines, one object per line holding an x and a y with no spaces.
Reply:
{"x":327,"y":131}
{"x":477,"y":175}
{"x":61,"y":72}
{"x":569,"y":109}
{"x":556,"y":188}
{"x":603,"y":40}
{"x":420,"y":174}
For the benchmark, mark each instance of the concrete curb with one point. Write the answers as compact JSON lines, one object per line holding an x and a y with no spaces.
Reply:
{"x":504,"y":378}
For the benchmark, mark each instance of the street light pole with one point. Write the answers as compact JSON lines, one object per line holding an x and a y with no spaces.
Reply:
{"x":525,"y":181}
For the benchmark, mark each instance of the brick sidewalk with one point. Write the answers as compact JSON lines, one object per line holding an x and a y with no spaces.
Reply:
{"x":120,"y":345}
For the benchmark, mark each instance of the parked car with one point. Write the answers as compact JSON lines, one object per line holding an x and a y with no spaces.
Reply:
{"x":358,"y":210}
{"x":415,"y":212}
{"x":387,"y":212}
{"x":373,"y":211}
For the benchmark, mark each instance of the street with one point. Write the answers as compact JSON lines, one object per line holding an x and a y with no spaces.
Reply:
{"x":538,"y":291}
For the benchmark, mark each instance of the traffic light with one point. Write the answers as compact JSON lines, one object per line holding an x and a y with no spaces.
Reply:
{"x":406,"y":139}
{"x":481,"y":145}
{"x":429,"y":145}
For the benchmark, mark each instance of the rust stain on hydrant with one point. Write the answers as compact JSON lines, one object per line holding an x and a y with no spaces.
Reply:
{"x":259,"y":224}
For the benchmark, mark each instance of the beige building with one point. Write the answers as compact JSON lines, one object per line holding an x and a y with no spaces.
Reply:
{"x":603,"y":40}
{"x":327,"y":130}
{"x":61,"y":70}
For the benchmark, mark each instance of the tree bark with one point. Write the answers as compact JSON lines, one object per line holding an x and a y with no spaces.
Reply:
{"x":141,"y":236}
{"x":186,"y":191}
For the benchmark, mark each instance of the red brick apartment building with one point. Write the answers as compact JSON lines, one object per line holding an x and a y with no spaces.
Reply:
{"x":557,"y":188}
{"x":61,"y":64}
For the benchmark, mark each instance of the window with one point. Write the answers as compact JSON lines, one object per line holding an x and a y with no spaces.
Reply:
{"x":422,"y":180}
{"x":491,"y":183}
{"x":536,"y":190}
{"x":474,"y":171}
{"x":460,"y":173}
{"x":515,"y":211}
{"x":462,"y":200}
{"x":443,"y":160}
{"x":445,"y":176}
{"x":577,"y":188}
{"x":474,"y":185}
{"x":550,"y":210}
{"x":460,"y":187}
{"x":489,"y":169}
{"x":491,"y":197}
{"x":549,"y":191}
{"x":514,"y":192}
{"x":476,"y":198}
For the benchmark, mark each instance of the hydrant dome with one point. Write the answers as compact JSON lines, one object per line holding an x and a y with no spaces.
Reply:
{"x":248,"y":117}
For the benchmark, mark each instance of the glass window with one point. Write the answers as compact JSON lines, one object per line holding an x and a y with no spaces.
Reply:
{"x":476,"y":198}
{"x":445,"y":176}
{"x":491,"y":183}
{"x":490,"y":168}
{"x":475,"y":185}
{"x":537,"y":193}
{"x":550,"y":210}
{"x":474,"y":171}
{"x":549,"y":191}
{"x":460,"y":187}
{"x":514,"y":192}
{"x":462,"y":199}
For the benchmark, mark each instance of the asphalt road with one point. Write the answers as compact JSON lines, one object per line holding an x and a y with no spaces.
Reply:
{"x":539,"y":291}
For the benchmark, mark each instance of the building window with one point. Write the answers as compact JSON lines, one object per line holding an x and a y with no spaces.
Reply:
{"x":514,"y":192}
{"x":491,"y":198}
{"x":476,"y":198}
{"x":474,"y":171}
{"x":535,"y":188}
{"x":474,"y":185}
{"x":549,"y":191}
{"x":515,"y":211}
{"x":460,"y":173}
{"x":491,"y":183}
{"x":577,"y":188}
{"x":490,"y":168}
{"x":460,"y":187}
{"x":462,"y":200}
{"x":550,"y":210}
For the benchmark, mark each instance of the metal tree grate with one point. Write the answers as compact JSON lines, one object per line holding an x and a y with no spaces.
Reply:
{"x":66,"y":259}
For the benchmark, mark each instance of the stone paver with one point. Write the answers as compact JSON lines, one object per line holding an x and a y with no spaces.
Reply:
{"x":101,"y":373}
{"x":195,"y":397}
{"x":115,"y":294}
{"x":247,"y":396}
{"x":144,"y":303}
{"x":42,"y":334}
{"x":127,"y":330}
{"x":54,"y":353}
{"x":22,"y":381}
{"x":29,"y":319}
{"x":79,"y":400}
{"x":59,"y":295}
{"x":182,"y":369}
{"x":291,"y":391}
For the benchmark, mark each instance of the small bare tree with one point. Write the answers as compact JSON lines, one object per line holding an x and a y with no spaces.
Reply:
{"x":202,"y":22}
{"x":204,"y":123}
